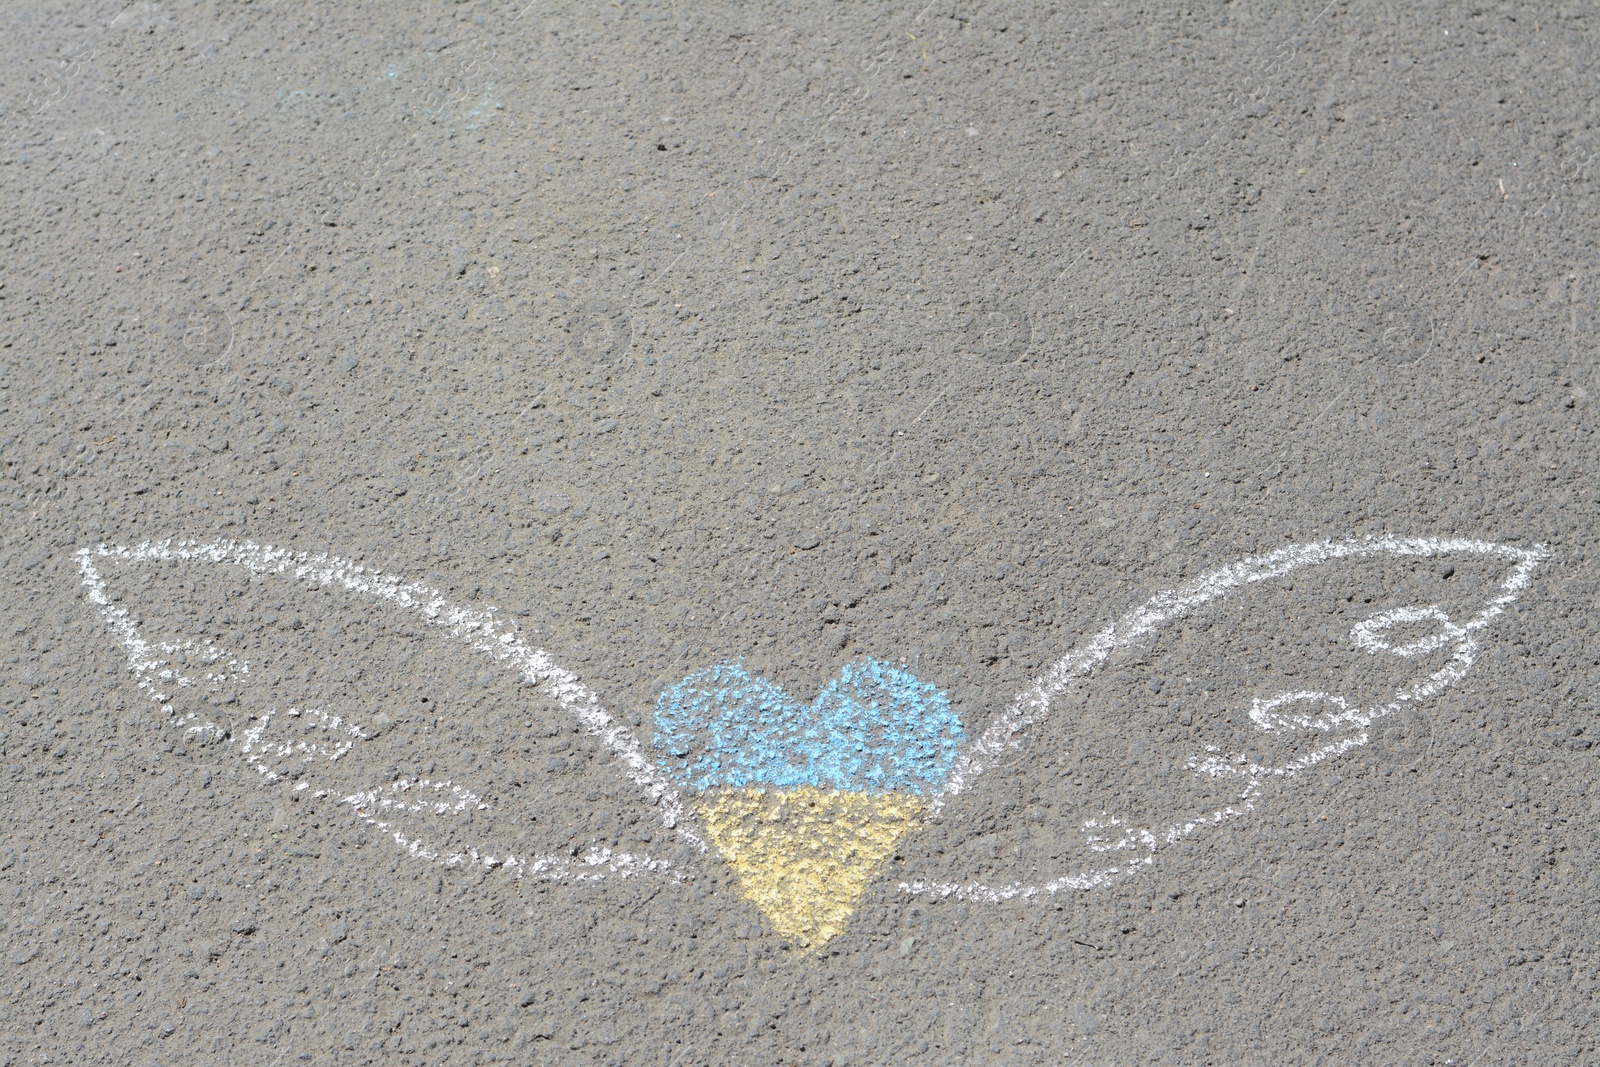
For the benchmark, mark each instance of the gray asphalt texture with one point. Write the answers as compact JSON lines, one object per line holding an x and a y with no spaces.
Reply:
{"x":692,"y":334}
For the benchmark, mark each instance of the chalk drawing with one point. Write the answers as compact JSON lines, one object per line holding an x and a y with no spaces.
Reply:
{"x":806,"y":802}
{"x":1128,"y":849}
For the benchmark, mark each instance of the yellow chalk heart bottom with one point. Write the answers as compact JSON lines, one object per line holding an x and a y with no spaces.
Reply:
{"x":804,"y":856}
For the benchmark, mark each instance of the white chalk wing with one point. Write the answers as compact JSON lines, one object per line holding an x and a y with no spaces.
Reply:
{"x":361,"y":696}
{"x":1198,"y":706}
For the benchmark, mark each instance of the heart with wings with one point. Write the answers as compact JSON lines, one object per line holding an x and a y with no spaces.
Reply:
{"x":1186,"y":713}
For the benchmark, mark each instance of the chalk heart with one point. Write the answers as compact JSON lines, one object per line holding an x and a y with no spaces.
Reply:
{"x":806,"y":802}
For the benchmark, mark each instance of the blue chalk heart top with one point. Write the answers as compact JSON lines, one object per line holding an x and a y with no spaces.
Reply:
{"x":875,"y":728}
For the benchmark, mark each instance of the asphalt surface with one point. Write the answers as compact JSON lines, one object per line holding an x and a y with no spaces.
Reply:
{"x":798,"y":347}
